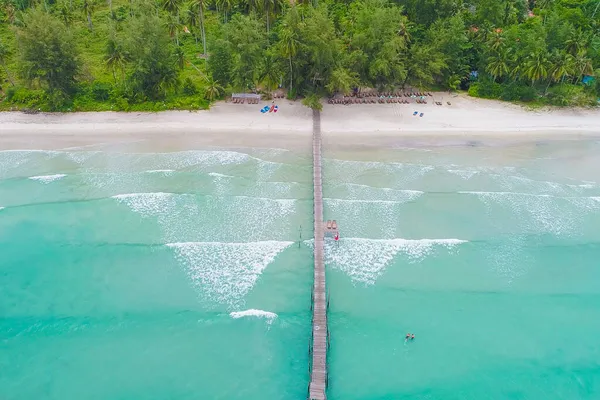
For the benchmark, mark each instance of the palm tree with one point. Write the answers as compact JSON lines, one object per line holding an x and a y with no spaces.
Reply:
{"x":171,"y":6}
{"x":289,"y":48}
{"x":561,"y":66}
{"x":88,"y":7}
{"x":180,"y":57}
{"x":577,"y":42}
{"x":269,"y":74}
{"x":342,"y":81}
{"x":226,"y":6}
{"x":250,"y":5}
{"x":199,"y":6}
{"x":271,"y":7}
{"x":404,"y":30}
{"x":172,"y":24}
{"x":213,"y":89}
{"x":115,"y":58}
{"x":583,"y":65}
{"x":65,"y":13}
{"x":498,"y":64}
{"x":3,"y":56}
{"x":536,"y":67}
{"x":190,"y":17}
{"x":496,"y":41}
{"x":541,"y":4}
{"x":169,"y":81}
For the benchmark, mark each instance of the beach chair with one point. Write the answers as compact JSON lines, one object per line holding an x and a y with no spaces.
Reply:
{"x":334,"y":225}
{"x":328,"y":225}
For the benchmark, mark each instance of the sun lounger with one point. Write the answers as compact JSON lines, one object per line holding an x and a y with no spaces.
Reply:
{"x":328,"y":226}
{"x":333,"y":224}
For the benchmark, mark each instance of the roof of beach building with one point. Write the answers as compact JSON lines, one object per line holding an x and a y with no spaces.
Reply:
{"x":245,"y":95}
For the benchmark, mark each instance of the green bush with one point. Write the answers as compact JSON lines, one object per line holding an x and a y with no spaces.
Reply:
{"x":292,"y":94}
{"x":488,"y":89}
{"x":57,"y":101}
{"x":121,"y":104}
{"x":570,"y":95}
{"x":189,"y":88}
{"x":26,"y":98}
{"x":474,"y":90}
{"x":517,"y":92}
{"x":100,"y":91}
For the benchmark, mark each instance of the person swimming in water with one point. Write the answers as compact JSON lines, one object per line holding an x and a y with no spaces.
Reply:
{"x":407,"y":336}
{"x":412,"y":337}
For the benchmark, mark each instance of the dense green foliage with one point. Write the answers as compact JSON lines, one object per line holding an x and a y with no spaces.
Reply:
{"x":165,"y":54}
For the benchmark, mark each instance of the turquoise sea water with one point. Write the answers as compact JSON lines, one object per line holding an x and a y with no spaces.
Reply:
{"x":180,"y":275}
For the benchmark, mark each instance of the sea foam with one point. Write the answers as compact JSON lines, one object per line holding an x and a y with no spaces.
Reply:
{"x":218,"y":175}
{"x":558,"y":215}
{"x":269,"y":316}
{"x":364,"y":260}
{"x":147,"y":204}
{"x":47,"y":178}
{"x":464,"y":174}
{"x":159,"y":171}
{"x":226,"y":272}
{"x":201,"y":158}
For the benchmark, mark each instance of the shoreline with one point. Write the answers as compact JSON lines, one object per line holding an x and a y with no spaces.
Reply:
{"x":466,"y":121}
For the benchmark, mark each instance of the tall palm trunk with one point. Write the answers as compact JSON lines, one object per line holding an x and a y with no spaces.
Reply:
{"x":291,"y":73}
{"x":201,"y":16}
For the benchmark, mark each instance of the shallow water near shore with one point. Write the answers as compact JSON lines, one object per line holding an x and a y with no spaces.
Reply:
{"x":140,"y":275}
{"x":180,"y":275}
{"x":488,"y":255}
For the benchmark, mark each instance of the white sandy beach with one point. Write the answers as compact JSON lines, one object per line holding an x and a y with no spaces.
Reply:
{"x":233,"y":125}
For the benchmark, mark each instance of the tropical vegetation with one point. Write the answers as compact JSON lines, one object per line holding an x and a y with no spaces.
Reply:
{"x":183,"y":54}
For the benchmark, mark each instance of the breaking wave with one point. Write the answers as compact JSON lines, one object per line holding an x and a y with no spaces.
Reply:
{"x":269,"y":316}
{"x":365,"y":260}
{"x":218,"y":175}
{"x":464,"y":174}
{"x":147,"y":204}
{"x":47,"y":178}
{"x":346,"y":170}
{"x":159,"y":171}
{"x":555,"y":214}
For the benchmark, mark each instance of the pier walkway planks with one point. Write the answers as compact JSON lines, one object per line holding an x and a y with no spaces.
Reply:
{"x":318,"y":370}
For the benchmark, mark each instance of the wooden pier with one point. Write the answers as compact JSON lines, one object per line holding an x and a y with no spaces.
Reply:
{"x":318,"y":368}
